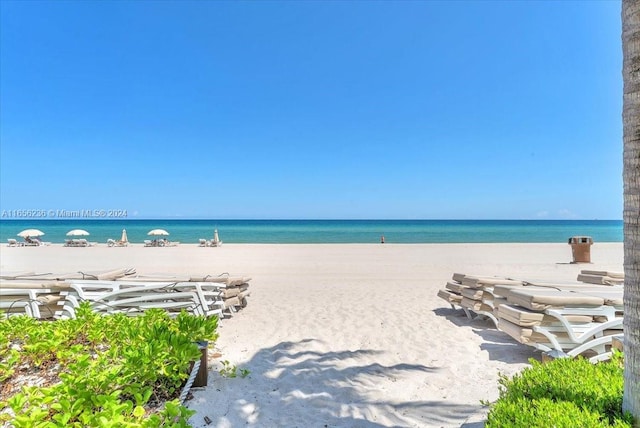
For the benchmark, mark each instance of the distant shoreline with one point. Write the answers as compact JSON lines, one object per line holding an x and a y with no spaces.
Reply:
{"x":126,"y":218}
{"x":326,"y":231}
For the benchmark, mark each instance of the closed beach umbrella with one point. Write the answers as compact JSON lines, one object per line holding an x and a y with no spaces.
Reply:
{"x":30,"y":232}
{"x":124,"y":236}
{"x":215,"y":236}
{"x":77,"y":232}
{"x":158,"y":232}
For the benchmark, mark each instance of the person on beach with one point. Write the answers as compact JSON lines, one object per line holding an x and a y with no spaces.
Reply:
{"x":382,"y":239}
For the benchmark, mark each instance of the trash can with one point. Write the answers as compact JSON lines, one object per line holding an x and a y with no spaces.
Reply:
{"x":581,"y":248}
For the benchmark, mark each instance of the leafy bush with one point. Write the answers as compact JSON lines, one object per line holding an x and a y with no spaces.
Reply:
{"x":562,"y":393}
{"x":101,"y":371}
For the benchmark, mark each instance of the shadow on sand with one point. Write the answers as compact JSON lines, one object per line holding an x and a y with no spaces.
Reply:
{"x":499,"y":345}
{"x":328,"y":389}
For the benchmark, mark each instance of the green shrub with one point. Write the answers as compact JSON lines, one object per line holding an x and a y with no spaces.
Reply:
{"x":111,"y":371}
{"x":562,"y":393}
{"x":542,"y":413}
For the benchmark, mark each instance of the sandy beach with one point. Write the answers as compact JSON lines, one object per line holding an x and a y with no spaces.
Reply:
{"x":344,"y":335}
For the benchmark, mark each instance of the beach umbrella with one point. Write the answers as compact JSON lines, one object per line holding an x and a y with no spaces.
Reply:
{"x":158,"y":232}
{"x":215,"y":236}
{"x":30,"y":232}
{"x":124,"y":236}
{"x":77,"y":232}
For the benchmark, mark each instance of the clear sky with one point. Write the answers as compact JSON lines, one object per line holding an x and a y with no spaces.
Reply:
{"x":313,"y":109}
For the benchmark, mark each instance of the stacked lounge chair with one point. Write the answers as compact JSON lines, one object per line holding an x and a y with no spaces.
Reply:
{"x":560,"y":319}
{"x":234,"y":290}
{"x":39,"y":295}
{"x":601,"y":277}
{"x":563,"y":321}
{"x":122,"y":290}
{"x":134,"y":297}
{"x":474,"y":294}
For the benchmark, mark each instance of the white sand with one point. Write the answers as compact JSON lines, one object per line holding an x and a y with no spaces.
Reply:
{"x":345,"y":335}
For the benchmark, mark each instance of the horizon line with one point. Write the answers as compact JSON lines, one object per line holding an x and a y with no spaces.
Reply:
{"x":301,"y":219}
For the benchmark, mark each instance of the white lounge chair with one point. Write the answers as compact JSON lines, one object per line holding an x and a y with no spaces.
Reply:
{"x":114,"y":243}
{"x":36,"y":303}
{"x":560,"y":319}
{"x":568,"y":323}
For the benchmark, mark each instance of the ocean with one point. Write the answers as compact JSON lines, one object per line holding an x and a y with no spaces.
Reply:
{"x":327,"y":231}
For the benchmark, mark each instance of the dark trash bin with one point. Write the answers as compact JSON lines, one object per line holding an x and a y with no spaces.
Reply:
{"x":581,"y":248}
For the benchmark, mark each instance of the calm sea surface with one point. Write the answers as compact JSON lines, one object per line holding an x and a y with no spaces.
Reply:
{"x":328,"y":231}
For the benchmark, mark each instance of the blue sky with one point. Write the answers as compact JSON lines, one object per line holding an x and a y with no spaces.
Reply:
{"x":317,"y":109}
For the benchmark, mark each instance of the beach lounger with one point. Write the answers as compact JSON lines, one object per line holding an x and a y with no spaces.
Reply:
{"x":15,"y":307}
{"x":225,"y":280}
{"x":120,"y":294}
{"x":234,"y":289}
{"x":210,"y":297}
{"x":79,"y":290}
{"x":538,"y":299}
{"x":455,"y":287}
{"x":123,"y":291}
{"x":571,"y":322}
{"x":600,"y":279}
{"x":481,"y":302}
{"x":474,"y":294}
{"x":452,"y":298}
{"x":114,"y":243}
{"x":203,"y":243}
{"x":452,"y":293}
{"x":612,"y":274}
{"x":199,"y":298}
{"x":14,"y":243}
{"x":70,"y":243}
{"x":36,"y":303}
{"x":568,"y":335}
{"x":558,"y":318}
{"x":131,"y":303}
{"x":479,"y":281}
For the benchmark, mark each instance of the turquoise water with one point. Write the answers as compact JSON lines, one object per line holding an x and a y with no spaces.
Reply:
{"x":328,"y":231}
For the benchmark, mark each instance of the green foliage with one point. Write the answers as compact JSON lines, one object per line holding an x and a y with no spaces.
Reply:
{"x":112,"y":371}
{"x":543,"y":413}
{"x":562,"y":393}
{"x":231,"y":371}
